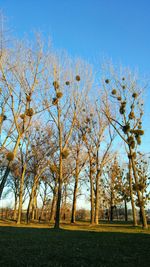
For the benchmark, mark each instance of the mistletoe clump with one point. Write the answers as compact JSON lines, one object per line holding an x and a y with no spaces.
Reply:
{"x":122,"y":107}
{"x":131,"y":141}
{"x":107,"y":81}
{"x":87,"y":120}
{"x":67,"y":83}
{"x":65,"y":153}
{"x":138,"y":139}
{"x":10,"y":156}
{"x":22,"y":116}
{"x":77,"y":78}
{"x":119,"y":98}
{"x":126,"y":128}
{"x":131,"y":115}
{"x":135,"y":95}
{"x":55,"y":101}
{"x":138,"y":131}
{"x":114,"y":92}
{"x":59,"y":94}
{"x":141,"y":186}
{"x":29,"y":112}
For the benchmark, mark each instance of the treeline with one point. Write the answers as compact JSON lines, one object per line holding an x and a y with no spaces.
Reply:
{"x":62,"y":126}
{"x":43,"y":215}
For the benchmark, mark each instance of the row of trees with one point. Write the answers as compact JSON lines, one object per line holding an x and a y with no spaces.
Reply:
{"x":60,"y":125}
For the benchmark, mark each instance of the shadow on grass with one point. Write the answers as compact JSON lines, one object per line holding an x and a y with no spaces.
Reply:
{"x":51,"y":247}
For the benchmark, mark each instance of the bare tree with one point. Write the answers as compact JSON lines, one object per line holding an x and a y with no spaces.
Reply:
{"x":126,"y":95}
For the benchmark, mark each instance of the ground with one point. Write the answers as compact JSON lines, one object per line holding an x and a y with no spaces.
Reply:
{"x":81,"y":245}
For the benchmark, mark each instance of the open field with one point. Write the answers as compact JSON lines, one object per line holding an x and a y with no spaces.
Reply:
{"x":74,"y":245}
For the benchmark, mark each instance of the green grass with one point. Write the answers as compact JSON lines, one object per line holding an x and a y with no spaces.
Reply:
{"x":74,"y":245}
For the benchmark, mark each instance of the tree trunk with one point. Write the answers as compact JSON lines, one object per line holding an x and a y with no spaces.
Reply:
{"x":111,"y":213}
{"x":97,"y":195}
{"x":131,"y":196}
{"x":53,"y":211}
{"x":21,"y":193}
{"x":28,"y":210}
{"x":73,"y":215}
{"x":125,"y":210}
{"x":57,"y":217}
{"x":43,"y":207}
{"x":91,"y":195}
{"x":34,"y":206}
{"x":36,"y":213}
{"x":141,"y":204}
{"x":4,"y":179}
{"x":15,"y":209}
{"x":7,"y":171}
{"x":111,"y":205}
{"x":60,"y":182}
{"x":32,"y":195}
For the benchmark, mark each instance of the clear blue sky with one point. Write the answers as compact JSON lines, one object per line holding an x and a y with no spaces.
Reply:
{"x":91,"y":29}
{"x":117,"y":29}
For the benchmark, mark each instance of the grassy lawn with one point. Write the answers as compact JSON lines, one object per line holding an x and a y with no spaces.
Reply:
{"x":74,"y":245}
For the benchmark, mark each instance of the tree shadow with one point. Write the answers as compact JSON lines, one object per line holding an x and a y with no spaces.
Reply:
{"x":62,"y":247}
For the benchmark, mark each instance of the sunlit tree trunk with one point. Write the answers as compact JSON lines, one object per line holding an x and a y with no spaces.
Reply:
{"x":34,"y":207}
{"x":97,"y":195}
{"x":7,"y":171}
{"x":44,"y":201}
{"x":91,"y":195}
{"x":4,"y":179}
{"x":31,"y":199}
{"x":111,"y":207}
{"x":131,"y":195}
{"x":60,"y":182}
{"x":73,"y":215}
{"x":15,"y":209}
{"x":21,"y":193}
{"x":57,"y":218}
{"x":125,"y":209}
{"x":53,"y":207}
{"x":141,"y":204}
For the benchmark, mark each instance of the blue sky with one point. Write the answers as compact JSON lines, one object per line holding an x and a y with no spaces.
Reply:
{"x":91,"y":29}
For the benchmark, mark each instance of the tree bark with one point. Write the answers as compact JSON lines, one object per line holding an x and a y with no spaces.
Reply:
{"x":57,"y":217}
{"x":53,"y":211}
{"x":141,"y":204}
{"x":15,"y":209}
{"x":111,"y":213}
{"x":7,"y":171}
{"x":73,"y":215}
{"x":97,"y":195}
{"x":4,"y":179}
{"x":131,"y":195}
{"x":21,"y":193}
{"x":32,"y":195}
{"x":125,"y":210}
{"x":91,"y":195}
{"x":34,"y":206}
